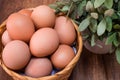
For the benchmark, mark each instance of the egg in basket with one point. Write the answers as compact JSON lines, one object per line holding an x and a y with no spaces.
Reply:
{"x":38,"y":45}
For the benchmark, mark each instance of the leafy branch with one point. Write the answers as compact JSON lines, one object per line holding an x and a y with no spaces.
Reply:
{"x":101,"y":18}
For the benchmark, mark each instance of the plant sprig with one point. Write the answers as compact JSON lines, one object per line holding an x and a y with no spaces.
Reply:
{"x":100,"y":17}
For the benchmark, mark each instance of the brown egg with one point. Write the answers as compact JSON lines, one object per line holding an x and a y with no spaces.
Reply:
{"x":65,"y":30}
{"x":25,"y":12}
{"x":38,"y":67}
{"x":20,"y":27}
{"x":43,"y":16}
{"x":44,"y":42}
{"x":62,"y":57}
{"x":16,"y":55}
{"x":6,"y":38}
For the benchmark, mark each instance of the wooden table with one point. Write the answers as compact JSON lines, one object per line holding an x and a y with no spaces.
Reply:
{"x":90,"y":66}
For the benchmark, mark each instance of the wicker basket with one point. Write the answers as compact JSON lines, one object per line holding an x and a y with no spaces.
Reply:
{"x":61,"y":75}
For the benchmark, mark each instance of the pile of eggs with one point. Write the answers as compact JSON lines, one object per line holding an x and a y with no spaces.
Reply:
{"x":37,"y":41}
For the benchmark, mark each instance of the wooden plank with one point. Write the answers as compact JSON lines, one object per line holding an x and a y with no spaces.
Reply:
{"x":112,"y":67}
{"x":9,"y":6}
{"x":89,"y":67}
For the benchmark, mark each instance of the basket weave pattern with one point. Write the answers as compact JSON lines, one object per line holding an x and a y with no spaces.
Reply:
{"x":61,"y":75}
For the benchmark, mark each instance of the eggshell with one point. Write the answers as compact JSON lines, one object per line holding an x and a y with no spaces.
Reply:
{"x":43,"y":16}
{"x":6,"y":38}
{"x":62,"y":56}
{"x":44,"y":42}
{"x":65,"y":30}
{"x":16,"y":55}
{"x":20,"y":27}
{"x":38,"y":67}
{"x":25,"y":12}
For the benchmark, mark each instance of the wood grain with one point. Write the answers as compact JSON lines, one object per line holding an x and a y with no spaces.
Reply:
{"x":96,"y":67}
{"x":9,"y":6}
{"x":90,"y":66}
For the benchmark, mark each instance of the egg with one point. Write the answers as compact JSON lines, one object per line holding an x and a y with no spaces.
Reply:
{"x":65,"y":30}
{"x":6,"y":38}
{"x":38,"y":67}
{"x":43,"y":16}
{"x":62,"y":56}
{"x":16,"y":55}
{"x":44,"y":42}
{"x":20,"y":27}
{"x":25,"y":12}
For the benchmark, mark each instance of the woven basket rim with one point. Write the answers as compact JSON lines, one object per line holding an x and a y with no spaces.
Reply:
{"x":59,"y":74}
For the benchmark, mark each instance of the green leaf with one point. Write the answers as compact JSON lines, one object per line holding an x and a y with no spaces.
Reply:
{"x":53,"y":6}
{"x":101,"y":27}
{"x":119,"y":6}
{"x":60,"y":3}
{"x":92,"y":1}
{"x":93,"y":25}
{"x":108,"y":3}
{"x":84,"y":24}
{"x":118,"y":34}
{"x":116,"y":1}
{"x":98,"y":3}
{"x":117,"y":52}
{"x":89,"y":6}
{"x":116,"y":42}
{"x":111,"y":38}
{"x":109,"y":24}
{"x":85,"y":36}
{"x":114,"y":16}
{"x":75,"y":0}
{"x":118,"y":13}
{"x":93,"y":40}
{"x":81,"y":8}
{"x":116,"y":26}
{"x":77,"y":22}
{"x":109,"y":12}
{"x":74,"y":12}
{"x":100,"y":46}
{"x":65,"y":8}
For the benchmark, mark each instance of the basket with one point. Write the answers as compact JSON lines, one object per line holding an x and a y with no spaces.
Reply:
{"x":61,"y":75}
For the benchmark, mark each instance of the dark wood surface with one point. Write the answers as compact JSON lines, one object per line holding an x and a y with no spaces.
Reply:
{"x":90,"y":66}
